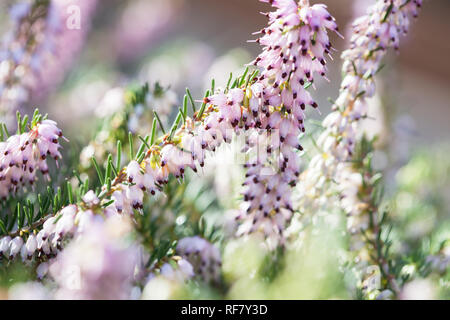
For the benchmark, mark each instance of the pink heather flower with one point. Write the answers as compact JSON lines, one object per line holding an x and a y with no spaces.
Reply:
{"x":21,"y":156}
{"x":274,"y":103}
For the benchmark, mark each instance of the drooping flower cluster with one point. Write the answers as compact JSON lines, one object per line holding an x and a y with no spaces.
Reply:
{"x":373,"y":34}
{"x":23,"y":155}
{"x":203,"y":256}
{"x":295,"y":45}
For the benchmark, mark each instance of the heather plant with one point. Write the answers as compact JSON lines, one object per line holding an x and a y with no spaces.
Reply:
{"x":135,"y":215}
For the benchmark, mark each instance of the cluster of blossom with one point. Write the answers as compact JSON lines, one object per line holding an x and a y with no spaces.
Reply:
{"x":46,"y":243}
{"x":99,"y":264}
{"x":37,"y":34}
{"x":204,"y":257}
{"x":373,"y":34}
{"x":128,"y":189}
{"x":295,"y":45}
{"x":22,"y":155}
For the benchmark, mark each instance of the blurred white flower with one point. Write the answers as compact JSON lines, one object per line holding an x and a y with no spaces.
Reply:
{"x":112,"y":101}
{"x":420,"y":289}
{"x":29,"y":291}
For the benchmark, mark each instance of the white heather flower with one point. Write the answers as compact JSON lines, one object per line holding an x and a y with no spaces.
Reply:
{"x":15,"y":245}
{"x":66,"y":223}
{"x":134,"y":172}
{"x":4,"y":245}
{"x":135,"y":196}
{"x":48,"y":227}
{"x":90,"y":198}
{"x":84,"y":219}
{"x":30,"y":246}
{"x":183,"y":272}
